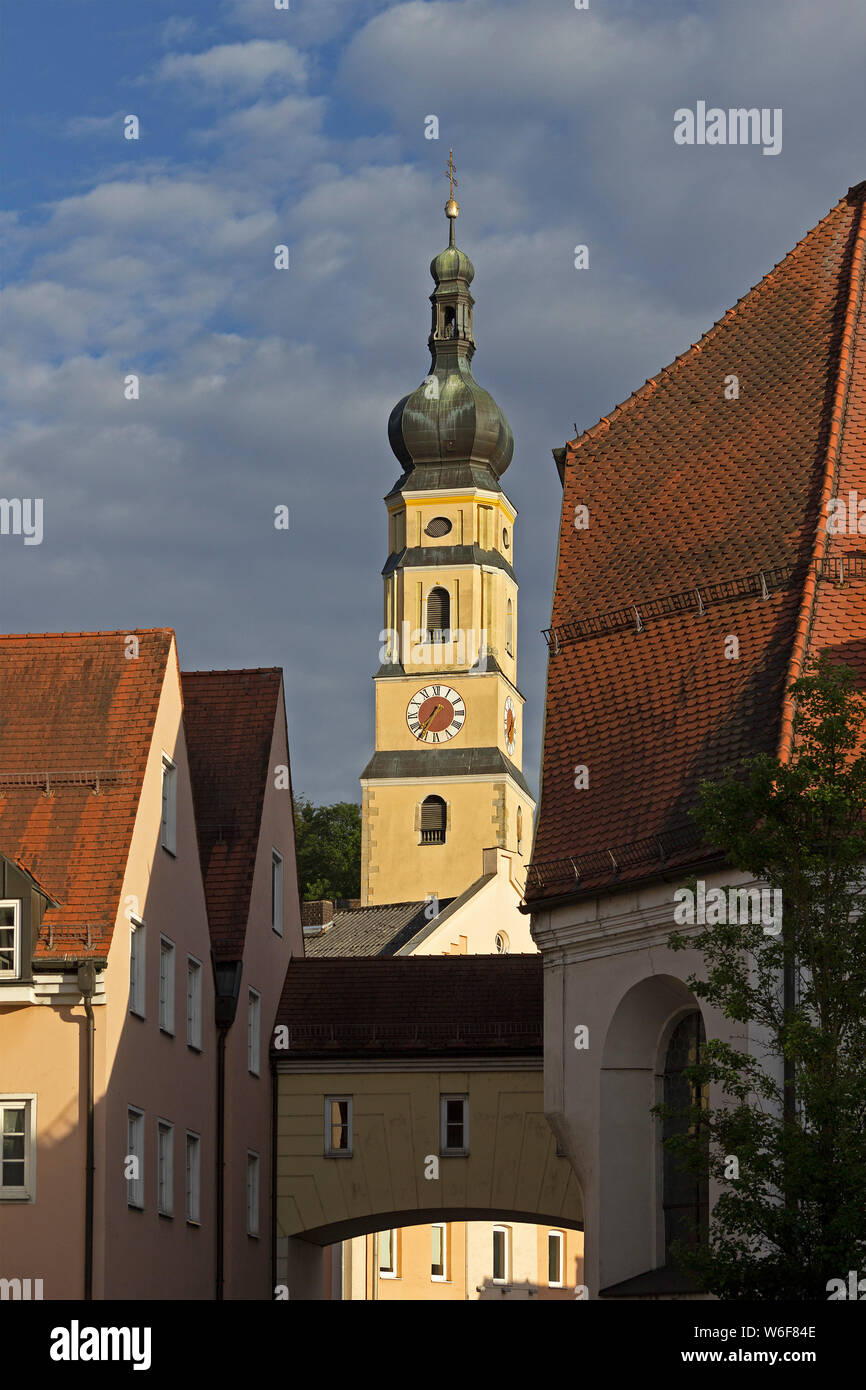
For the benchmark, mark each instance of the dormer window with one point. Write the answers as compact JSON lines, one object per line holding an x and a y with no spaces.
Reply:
{"x":10,"y":939}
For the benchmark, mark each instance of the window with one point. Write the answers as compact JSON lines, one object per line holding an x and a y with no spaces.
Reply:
{"x":501,"y":1254}
{"x":254,"y":1018}
{"x":193,"y":1002}
{"x":685,"y":1194}
{"x":438,"y":615}
{"x":193,"y":1178}
{"x":165,"y":1168}
{"x":137,"y":942}
{"x":555,"y":1259}
{"x":454,"y":1125}
{"x":509,"y":628}
{"x":520,"y":830}
{"x":277,"y":892}
{"x":18,"y":1148}
{"x":338,"y":1126}
{"x":501,"y":943}
{"x":168,"y":837}
{"x":134,"y":1164}
{"x":252,"y":1194}
{"x":10,"y":939}
{"x":166,"y":985}
{"x":439,"y":1252}
{"x":433,"y":821}
{"x":388,"y":1256}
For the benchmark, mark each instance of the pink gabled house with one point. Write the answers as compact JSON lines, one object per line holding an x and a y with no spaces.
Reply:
{"x":109,"y":1036}
{"x":239,"y":758}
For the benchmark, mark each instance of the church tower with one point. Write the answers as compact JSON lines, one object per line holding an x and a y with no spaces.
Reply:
{"x":445,"y":780}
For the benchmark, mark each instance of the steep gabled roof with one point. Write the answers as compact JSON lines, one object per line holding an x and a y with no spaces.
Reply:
{"x":229,"y":721}
{"x":76,"y":725}
{"x":706,"y":523}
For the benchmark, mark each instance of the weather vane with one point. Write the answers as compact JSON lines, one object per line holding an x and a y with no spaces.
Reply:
{"x":450,"y":171}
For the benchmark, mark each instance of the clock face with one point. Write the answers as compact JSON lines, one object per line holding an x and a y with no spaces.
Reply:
{"x":510,"y":723}
{"x":436,"y":714}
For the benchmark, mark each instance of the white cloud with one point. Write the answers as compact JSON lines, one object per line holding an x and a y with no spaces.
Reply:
{"x":90,"y":127}
{"x":235,"y":69}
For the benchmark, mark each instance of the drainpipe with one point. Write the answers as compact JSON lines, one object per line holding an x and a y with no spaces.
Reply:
{"x":87,"y":987}
{"x":227,"y":984}
{"x":273,"y":1181}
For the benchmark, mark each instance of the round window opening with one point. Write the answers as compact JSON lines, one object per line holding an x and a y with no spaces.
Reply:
{"x":439,"y":526}
{"x":501,"y":943}
{"x":505,"y":541}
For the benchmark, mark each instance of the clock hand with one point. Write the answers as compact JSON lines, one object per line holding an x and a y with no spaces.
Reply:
{"x":430,"y":718}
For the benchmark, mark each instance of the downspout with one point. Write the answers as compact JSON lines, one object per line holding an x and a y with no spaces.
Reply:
{"x":227,"y":984}
{"x":220,"y":1159}
{"x":87,"y":986}
{"x":273,"y":1181}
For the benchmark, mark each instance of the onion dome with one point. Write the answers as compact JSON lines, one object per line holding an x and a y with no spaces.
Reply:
{"x":449,"y":431}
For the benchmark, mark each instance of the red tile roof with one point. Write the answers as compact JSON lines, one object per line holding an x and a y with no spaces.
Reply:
{"x":77,"y":724}
{"x":229,"y":721}
{"x":706,"y":520}
{"x":414,"y":1005}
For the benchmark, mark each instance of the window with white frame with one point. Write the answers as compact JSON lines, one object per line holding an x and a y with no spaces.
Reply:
{"x":166,"y":985}
{"x":454,"y":1125}
{"x":555,"y":1259}
{"x":133,"y":1167}
{"x":501,"y":1254}
{"x":165,"y":1167}
{"x":254,"y":1032}
{"x":252,"y":1193}
{"x":388,"y":1254}
{"x":193,"y":1002}
{"x":277,"y":892}
{"x":338,"y":1126}
{"x":439,"y":1252}
{"x":137,"y":943}
{"x":10,"y":939}
{"x":168,"y":835}
{"x":193,"y":1178}
{"x":18,"y":1148}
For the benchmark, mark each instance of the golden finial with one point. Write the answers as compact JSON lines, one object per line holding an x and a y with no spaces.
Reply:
{"x":451,"y":207}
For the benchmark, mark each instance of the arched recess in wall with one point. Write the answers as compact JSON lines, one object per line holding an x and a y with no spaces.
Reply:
{"x":638,"y":1187}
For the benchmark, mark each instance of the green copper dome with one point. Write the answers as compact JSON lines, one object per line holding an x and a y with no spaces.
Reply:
{"x":449,"y":431}
{"x":452,"y":264}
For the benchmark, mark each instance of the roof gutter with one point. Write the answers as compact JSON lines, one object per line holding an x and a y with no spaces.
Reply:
{"x":87,"y":985}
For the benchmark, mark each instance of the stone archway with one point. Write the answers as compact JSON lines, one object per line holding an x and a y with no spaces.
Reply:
{"x":631,"y":1167}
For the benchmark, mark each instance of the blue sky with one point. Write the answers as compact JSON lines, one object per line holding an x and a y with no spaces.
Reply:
{"x":260,"y":388}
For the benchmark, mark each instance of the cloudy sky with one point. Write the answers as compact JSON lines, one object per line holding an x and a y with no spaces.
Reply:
{"x":261,"y":387}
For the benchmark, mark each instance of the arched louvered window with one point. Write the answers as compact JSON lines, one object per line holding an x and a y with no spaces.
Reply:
{"x":686,"y":1195}
{"x":509,"y":628}
{"x":433,"y":815}
{"x":520,"y":830}
{"x":438,"y":615}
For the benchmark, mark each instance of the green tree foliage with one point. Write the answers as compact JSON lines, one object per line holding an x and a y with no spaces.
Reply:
{"x":792,"y":1110}
{"x":328,"y":847}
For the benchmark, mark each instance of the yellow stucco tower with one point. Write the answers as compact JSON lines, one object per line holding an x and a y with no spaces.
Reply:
{"x":445,"y":780}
